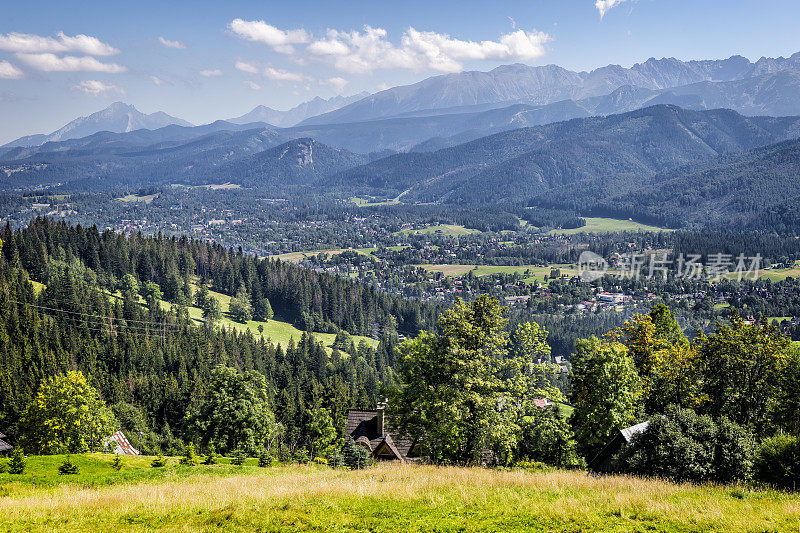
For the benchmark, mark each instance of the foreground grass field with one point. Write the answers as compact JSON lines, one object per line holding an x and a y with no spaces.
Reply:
{"x":387,"y":497}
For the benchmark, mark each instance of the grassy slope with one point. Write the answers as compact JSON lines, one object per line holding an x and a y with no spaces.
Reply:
{"x":608,"y":225}
{"x":446,"y":229}
{"x":388,"y":498}
{"x":296,"y":257}
{"x":537,"y":273}
{"x":278,"y":331}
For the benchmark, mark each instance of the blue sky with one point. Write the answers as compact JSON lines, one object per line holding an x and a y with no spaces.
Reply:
{"x":207,"y":60}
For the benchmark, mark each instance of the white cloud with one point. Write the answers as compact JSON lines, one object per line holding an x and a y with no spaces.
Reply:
{"x":337,"y":83}
{"x":9,"y":71}
{"x":261,"y":32}
{"x":210,"y":73}
{"x":282,"y":75}
{"x":29,"y":43}
{"x":97,"y":88}
{"x":603,"y":6}
{"x":158,"y":81}
{"x":251,"y":84}
{"x":370,"y":49}
{"x":359,"y":52}
{"x":244,"y":66}
{"x":171,"y":44}
{"x":54,"y":63}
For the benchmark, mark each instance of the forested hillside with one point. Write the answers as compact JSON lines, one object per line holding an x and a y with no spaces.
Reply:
{"x":520,"y":164}
{"x":99,"y":305}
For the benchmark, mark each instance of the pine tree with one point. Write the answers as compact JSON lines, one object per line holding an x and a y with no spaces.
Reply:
{"x":189,"y":457}
{"x":116,"y":464}
{"x":68,"y":468}
{"x":18,"y":462}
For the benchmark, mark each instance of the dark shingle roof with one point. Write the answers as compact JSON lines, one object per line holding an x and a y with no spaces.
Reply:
{"x":363,"y":425}
{"x":4,"y":446}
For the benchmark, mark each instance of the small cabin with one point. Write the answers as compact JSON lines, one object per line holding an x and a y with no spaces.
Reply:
{"x":372,"y":430}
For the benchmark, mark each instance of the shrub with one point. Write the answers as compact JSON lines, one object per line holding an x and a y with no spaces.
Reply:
{"x":18,"y":462}
{"x":533,"y":466}
{"x":68,"y":468}
{"x":239,"y":457}
{"x":301,"y":456}
{"x":116,"y":464}
{"x":733,"y":457}
{"x":264,"y":459}
{"x":777,"y":461}
{"x":211,"y":456}
{"x":684,"y":446}
{"x":189,"y":457}
{"x":159,"y":461}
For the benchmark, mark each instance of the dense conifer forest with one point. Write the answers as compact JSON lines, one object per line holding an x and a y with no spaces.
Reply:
{"x":114,"y":308}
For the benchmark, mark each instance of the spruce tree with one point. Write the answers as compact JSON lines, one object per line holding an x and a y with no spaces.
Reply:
{"x":18,"y":462}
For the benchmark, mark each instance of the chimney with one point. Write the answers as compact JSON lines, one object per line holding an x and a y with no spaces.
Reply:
{"x":381,"y":412}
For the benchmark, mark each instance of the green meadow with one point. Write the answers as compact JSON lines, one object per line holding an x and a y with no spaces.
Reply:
{"x":608,"y":225}
{"x":382,"y":498}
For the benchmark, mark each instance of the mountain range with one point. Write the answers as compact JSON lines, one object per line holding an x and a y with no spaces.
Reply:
{"x":541,"y":85}
{"x":623,"y":142}
{"x":285,"y":119}
{"x":616,"y":151}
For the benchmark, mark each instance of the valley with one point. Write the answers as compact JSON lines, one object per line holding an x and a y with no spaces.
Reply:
{"x":380,"y":277}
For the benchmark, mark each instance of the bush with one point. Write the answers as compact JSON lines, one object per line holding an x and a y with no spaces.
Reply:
{"x":777,"y":461}
{"x":264,"y":459}
{"x":356,"y":456}
{"x":301,"y":456}
{"x":18,"y":462}
{"x":684,"y":446}
{"x":733,"y":457}
{"x":189,"y":457}
{"x":211,"y":456}
{"x":116,"y":464}
{"x":159,"y":461}
{"x":68,"y":468}
{"x":239,"y":457}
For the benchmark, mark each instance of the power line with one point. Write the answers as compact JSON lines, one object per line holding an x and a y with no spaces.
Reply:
{"x":104,"y":317}
{"x":93,"y":322}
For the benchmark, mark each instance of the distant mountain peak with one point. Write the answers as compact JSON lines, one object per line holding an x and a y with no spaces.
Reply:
{"x":285,"y":119}
{"x":119,"y":117}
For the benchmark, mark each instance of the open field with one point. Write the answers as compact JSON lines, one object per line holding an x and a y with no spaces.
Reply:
{"x":608,"y":225}
{"x":779,"y":274}
{"x":296,"y":257}
{"x":535,"y":272}
{"x":371,"y":202}
{"x":387,"y":497}
{"x":134,"y":198}
{"x":452,"y":230}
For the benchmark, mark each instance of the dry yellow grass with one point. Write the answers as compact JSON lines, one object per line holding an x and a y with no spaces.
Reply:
{"x":402,"y":498}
